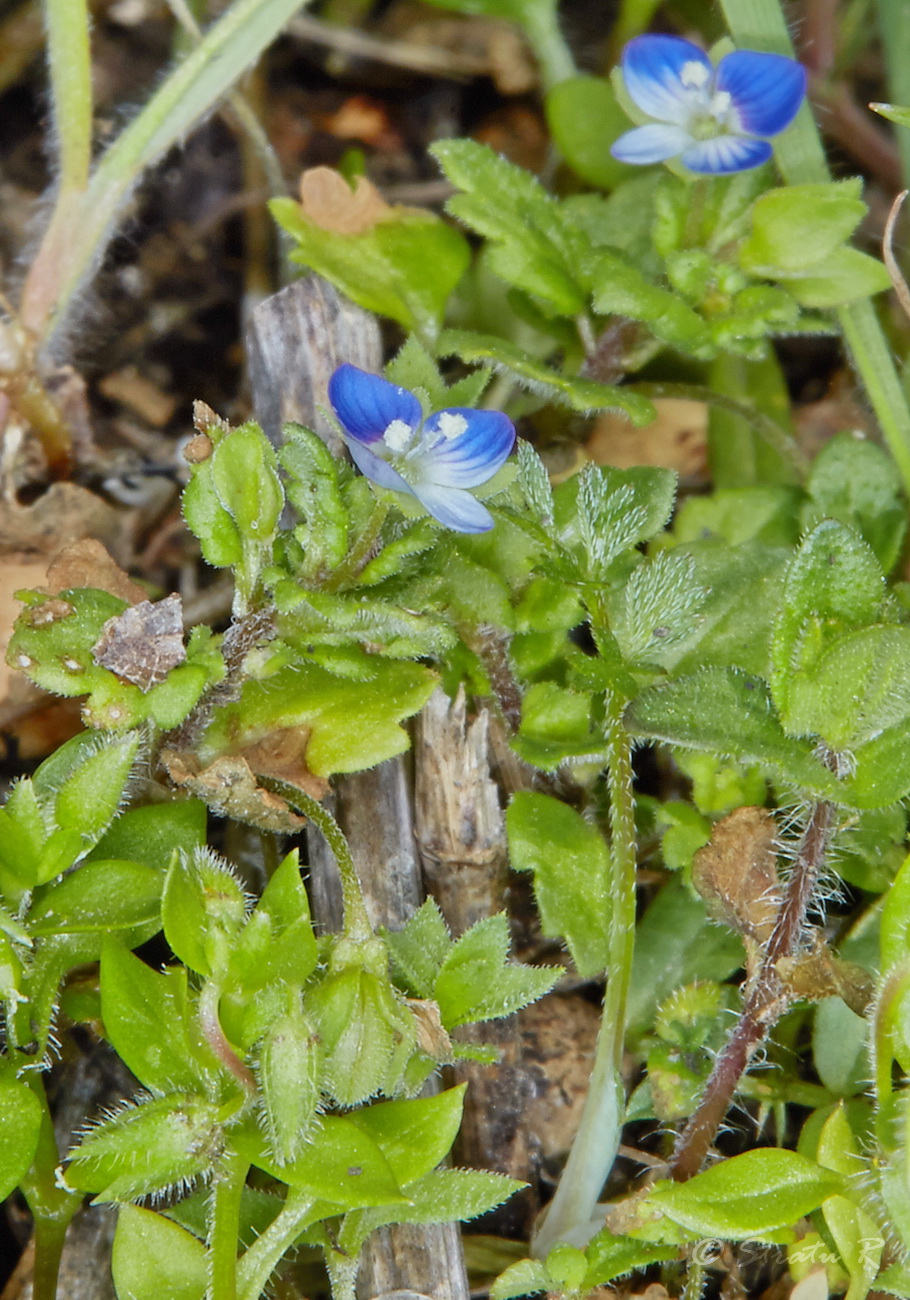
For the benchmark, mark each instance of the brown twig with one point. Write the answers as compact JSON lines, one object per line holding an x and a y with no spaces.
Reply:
{"x":766,"y":1001}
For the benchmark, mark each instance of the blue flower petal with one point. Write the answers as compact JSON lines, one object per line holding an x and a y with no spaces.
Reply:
{"x":652,"y":71}
{"x":725,"y":154}
{"x":454,"y":508}
{"x":651,"y":144}
{"x":367,"y":404}
{"x":766,"y":89}
{"x":376,"y":469}
{"x":471,"y":457}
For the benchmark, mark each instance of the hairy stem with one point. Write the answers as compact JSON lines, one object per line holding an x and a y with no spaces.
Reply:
{"x":260,"y":1261}
{"x":570,"y":1216}
{"x":356,"y":918}
{"x":51,"y":1205}
{"x":765,"y":1003}
{"x":224,"y":1226}
{"x":760,"y":25}
{"x":541,"y":25}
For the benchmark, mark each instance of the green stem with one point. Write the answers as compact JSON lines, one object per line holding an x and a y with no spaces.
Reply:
{"x":224,"y":1226}
{"x":52,"y":1206}
{"x":260,"y":1261}
{"x":70,"y":65}
{"x":895,"y":38}
{"x":359,"y":553}
{"x":356,"y":918}
{"x":541,"y":26}
{"x":760,"y":25}
{"x":571,"y":1215}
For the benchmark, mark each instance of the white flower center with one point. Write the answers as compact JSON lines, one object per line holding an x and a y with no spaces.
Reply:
{"x":397,"y":436}
{"x":451,"y":425}
{"x":694,"y":75}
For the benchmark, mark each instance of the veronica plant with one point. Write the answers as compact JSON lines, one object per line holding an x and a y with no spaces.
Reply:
{"x":715,"y":120}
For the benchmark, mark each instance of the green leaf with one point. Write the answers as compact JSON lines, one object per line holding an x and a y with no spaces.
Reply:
{"x":91,"y":794}
{"x":341,"y":1164}
{"x":443,"y":1196}
{"x":620,"y":288}
{"x":852,"y":480}
{"x":152,"y":833}
{"x":676,"y":944}
{"x":584,"y":395}
{"x":833,"y":584}
{"x":418,"y":950}
{"x":527,"y":1277}
{"x":750,"y":1195}
{"x":726,"y":712}
{"x":477,"y":982}
{"x":148,"y":1021}
{"x":147,"y":1148}
{"x":20,"y":1124}
{"x":348,"y":725}
{"x":154,"y":1257}
{"x":203,"y":910}
{"x":859,"y":1242}
{"x":585,"y":118}
{"x":855,"y":690}
{"x":405,"y":266}
{"x":100,"y":897}
{"x":531,"y":247}
{"x":205,"y":516}
{"x":314,"y":491}
{"x":657,"y":609}
{"x":571,"y":866}
{"x":277,"y":946}
{"x":797,"y":226}
{"x":847,"y":276}
{"x":413,"y":1135}
{"x":610,"y":1256}
{"x":245,"y":478}
{"x":555,"y":726}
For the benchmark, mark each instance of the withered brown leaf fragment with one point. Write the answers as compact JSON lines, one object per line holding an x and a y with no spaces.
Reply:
{"x":87,"y":563}
{"x":230,"y":789}
{"x":736,"y":874}
{"x":144,"y":643}
{"x":330,"y":202}
{"x":820,"y":973}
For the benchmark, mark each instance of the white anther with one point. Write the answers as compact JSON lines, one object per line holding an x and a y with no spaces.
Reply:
{"x":397,"y":435}
{"x":451,"y":425}
{"x":694,"y":75}
{"x":720,"y":103}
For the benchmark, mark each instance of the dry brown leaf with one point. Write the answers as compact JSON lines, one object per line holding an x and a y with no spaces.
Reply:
{"x":144,"y":643}
{"x":87,"y":564}
{"x":229,"y":788}
{"x":140,"y":395}
{"x":330,"y":203}
{"x":820,"y":973}
{"x":17,"y":572}
{"x":431,"y":1036}
{"x":364,"y":119}
{"x":677,"y":439}
{"x":736,"y":874}
{"x":281,"y":756}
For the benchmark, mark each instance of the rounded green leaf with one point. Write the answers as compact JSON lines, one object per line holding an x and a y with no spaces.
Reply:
{"x":20,"y":1123}
{"x":750,"y":1195}
{"x":584,"y":119}
{"x":154,"y":1257}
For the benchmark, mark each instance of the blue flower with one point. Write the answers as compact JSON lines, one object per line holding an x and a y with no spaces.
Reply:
{"x":714,"y":120}
{"x":436,"y":460}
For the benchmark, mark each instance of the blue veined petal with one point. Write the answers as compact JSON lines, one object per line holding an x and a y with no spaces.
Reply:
{"x":471,"y":457}
{"x":725,"y":154}
{"x":766,"y":89}
{"x":651,"y":144}
{"x":374,"y":468}
{"x":652,"y":69}
{"x":454,"y":508}
{"x":367,"y":404}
